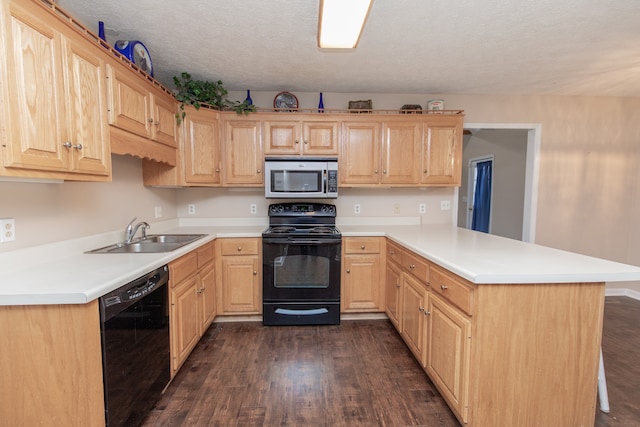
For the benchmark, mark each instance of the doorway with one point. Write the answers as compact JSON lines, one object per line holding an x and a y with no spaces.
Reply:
{"x":528,"y":140}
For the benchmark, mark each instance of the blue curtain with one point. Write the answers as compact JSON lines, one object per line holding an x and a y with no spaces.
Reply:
{"x":482,"y":198}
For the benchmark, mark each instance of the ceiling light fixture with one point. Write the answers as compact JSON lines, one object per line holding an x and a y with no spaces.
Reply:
{"x":340,"y":23}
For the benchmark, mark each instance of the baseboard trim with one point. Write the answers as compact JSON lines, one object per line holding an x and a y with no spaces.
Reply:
{"x":622,"y":292}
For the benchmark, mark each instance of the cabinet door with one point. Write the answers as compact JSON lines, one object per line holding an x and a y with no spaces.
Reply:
{"x":207,"y":295}
{"x":164,"y":128}
{"x":414,"y":304}
{"x":401,"y":153}
{"x":361,"y":284}
{"x":35,"y":106}
{"x":184,"y":320}
{"x":393,"y":288}
{"x":360,"y":153}
{"x":448,"y":353}
{"x":442,"y":154}
{"x":241,"y":287}
{"x":129,"y":102}
{"x":201,"y":147}
{"x":88,"y":132}
{"x":320,"y":138}
{"x":282,"y":137}
{"x":243,"y":155}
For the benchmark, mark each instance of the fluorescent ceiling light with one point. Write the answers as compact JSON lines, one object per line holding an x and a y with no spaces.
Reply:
{"x":340,"y":22}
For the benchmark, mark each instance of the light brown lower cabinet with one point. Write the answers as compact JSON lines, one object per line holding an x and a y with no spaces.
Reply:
{"x":500,"y":354}
{"x":240,"y":281}
{"x":413,"y":306}
{"x":448,"y":335}
{"x":362,"y":281}
{"x":192,"y":297}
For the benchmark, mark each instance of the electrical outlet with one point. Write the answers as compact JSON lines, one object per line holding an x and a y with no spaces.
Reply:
{"x":356,"y":208}
{"x":445,"y":205}
{"x":422,"y":208}
{"x":396,"y":208}
{"x":7,"y":230}
{"x":158,"y":211}
{"x":253,"y":208}
{"x":191,"y":209}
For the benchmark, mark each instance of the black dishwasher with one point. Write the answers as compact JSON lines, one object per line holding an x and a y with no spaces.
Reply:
{"x":135,"y":347}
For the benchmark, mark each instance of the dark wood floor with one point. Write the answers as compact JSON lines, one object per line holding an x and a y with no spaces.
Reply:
{"x":621,"y":355}
{"x":357,"y":374}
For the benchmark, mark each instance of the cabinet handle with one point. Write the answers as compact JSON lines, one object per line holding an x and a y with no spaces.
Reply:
{"x":258,"y":171}
{"x":397,"y":285}
{"x":67,"y":144}
{"x":375,"y":171}
{"x":412,"y":266}
{"x":443,"y":287}
{"x":427,"y":312}
{"x":217,"y":169}
{"x":424,"y":171}
{"x":384,"y":171}
{"x":362,"y":247}
{"x":420,"y":308}
{"x":255,"y":273}
{"x":239,"y":248}
{"x":348,"y":270}
{"x":297,"y":142}
{"x":78,"y":147}
{"x":306,"y":142}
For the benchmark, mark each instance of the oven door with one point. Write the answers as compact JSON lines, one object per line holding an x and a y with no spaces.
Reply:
{"x":301,"y":270}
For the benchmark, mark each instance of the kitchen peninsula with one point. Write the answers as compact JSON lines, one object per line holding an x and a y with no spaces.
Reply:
{"x":520,"y":319}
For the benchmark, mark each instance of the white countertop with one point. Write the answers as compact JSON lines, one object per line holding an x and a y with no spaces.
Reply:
{"x":62,"y":273}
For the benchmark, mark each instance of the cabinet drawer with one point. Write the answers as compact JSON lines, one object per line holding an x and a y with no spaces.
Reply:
{"x":416,"y":265}
{"x":205,"y":254}
{"x":394,"y":252}
{"x":239,"y":246}
{"x":182,"y":268}
{"x":453,"y":290}
{"x":360,"y":245}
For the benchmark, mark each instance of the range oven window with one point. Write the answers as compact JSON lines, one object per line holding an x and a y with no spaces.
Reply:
{"x":301,"y":271}
{"x":285,"y":181}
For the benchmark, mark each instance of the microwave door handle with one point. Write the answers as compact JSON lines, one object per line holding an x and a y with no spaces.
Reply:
{"x":324,"y":182}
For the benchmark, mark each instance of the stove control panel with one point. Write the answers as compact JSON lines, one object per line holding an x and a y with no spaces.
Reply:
{"x":302,"y":209}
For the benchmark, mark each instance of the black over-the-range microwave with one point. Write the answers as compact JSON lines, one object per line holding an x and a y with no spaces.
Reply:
{"x":301,"y":177}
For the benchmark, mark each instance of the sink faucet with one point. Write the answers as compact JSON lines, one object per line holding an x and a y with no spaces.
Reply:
{"x":131,"y":229}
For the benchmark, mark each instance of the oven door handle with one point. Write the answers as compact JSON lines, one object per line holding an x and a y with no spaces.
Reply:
{"x":302,"y":241}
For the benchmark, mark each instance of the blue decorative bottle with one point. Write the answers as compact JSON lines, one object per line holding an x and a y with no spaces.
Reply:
{"x":248,"y":101}
{"x":320,"y":105}
{"x":101,"y":30}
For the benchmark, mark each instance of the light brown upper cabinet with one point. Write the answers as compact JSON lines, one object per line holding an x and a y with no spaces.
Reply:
{"x":242,"y":152}
{"x":401,"y":144}
{"x":308,"y":136}
{"x":442,"y":152}
{"x":359,"y":161}
{"x":142,"y":117}
{"x":201,"y":150}
{"x":54,"y":99}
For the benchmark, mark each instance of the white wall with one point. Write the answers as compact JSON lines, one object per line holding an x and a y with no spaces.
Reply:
{"x":47,"y":213}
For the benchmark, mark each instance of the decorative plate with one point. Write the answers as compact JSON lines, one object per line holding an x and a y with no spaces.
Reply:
{"x":285,"y":101}
{"x":136,"y":52}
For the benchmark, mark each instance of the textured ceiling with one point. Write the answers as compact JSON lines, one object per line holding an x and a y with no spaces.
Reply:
{"x":568,"y":47}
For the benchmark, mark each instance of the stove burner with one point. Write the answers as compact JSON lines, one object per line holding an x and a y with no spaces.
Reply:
{"x":322,"y":230}
{"x":282,"y":229}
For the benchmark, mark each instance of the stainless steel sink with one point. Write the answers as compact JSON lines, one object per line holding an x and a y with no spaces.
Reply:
{"x":153,"y":243}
